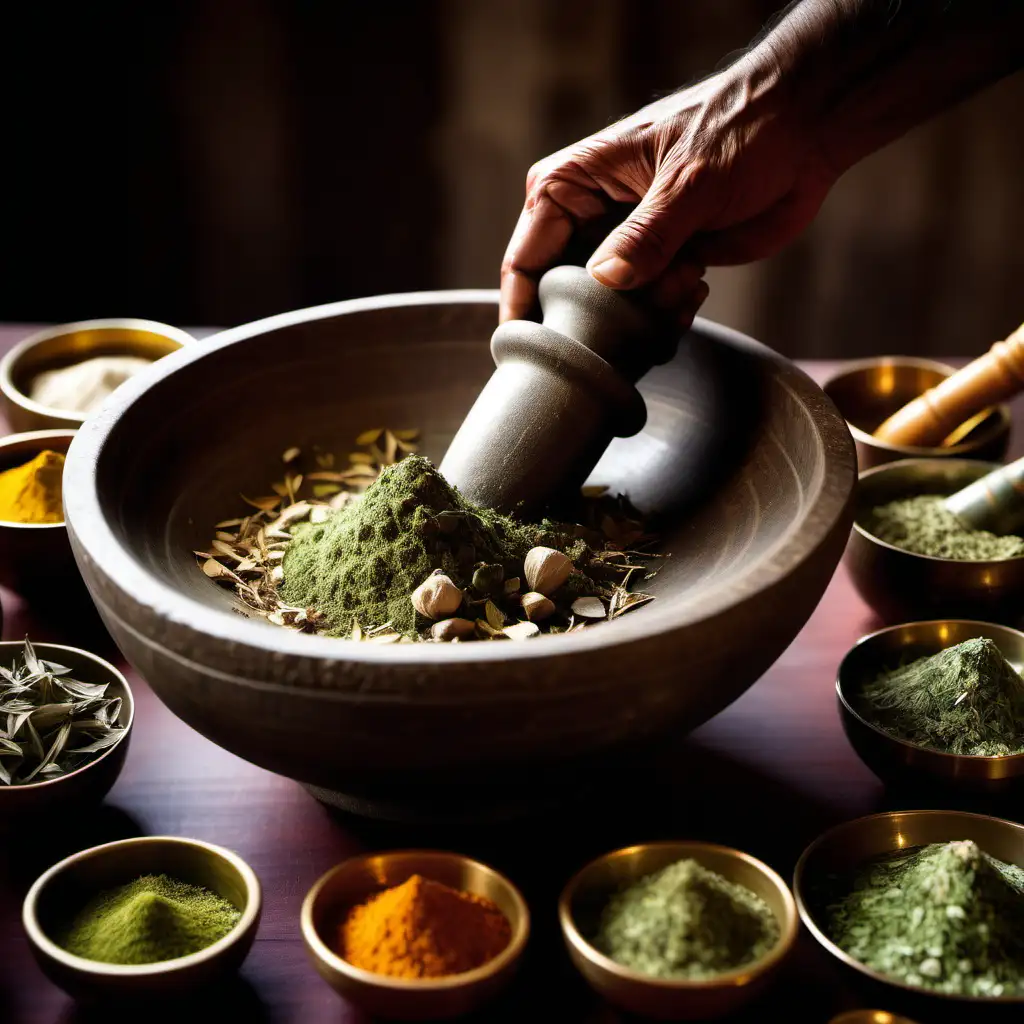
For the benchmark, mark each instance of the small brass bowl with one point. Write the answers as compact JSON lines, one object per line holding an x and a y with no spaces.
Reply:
{"x":36,"y":558}
{"x":902,"y":586}
{"x":896,"y":760}
{"x":355,"y":880}
{"x":61,"y":346}
{"x":68,"y":885}
{"x":854,"y":843}
{"x":869,"y":391}
{"x":67,"y":794}
{"x":589,"y":890}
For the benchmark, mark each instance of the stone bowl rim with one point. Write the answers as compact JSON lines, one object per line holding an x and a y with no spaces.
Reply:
{"x":87,"y":523}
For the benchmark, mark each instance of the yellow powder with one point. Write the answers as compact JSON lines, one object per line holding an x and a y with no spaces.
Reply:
{"x":32,"y":493}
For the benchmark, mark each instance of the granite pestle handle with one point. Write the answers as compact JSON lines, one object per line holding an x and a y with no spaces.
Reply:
{"x":990,"y":379}
{"x":561,"y":390}
{"x":994,"y":503}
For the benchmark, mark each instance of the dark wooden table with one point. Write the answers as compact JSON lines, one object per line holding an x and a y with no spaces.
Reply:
{"x":767,"y":775}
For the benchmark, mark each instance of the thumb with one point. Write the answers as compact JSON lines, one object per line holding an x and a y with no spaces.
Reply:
{"x":645,"y":243}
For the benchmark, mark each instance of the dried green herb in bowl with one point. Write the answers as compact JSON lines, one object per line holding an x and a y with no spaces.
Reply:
{"x":52,"y":723}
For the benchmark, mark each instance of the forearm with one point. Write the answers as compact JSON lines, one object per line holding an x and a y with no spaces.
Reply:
{"x":865,"y":71}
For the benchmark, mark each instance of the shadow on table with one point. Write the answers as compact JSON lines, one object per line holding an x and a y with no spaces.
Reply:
{"x":232,"y":1000}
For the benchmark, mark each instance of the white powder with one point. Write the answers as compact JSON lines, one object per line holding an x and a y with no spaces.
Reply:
{"x":85,"y":386}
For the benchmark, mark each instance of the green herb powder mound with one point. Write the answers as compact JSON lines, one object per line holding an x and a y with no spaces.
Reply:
{"x":363,"y":563}
{"x":924,"y":525}
{"x":967,"y":699}
{"x":946,"y":917}
{"x":686,"y":922}
{"x":151,"y":919}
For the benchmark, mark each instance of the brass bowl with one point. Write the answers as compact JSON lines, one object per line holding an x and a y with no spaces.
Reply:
{"x":589,"y":890}
{"x":902,"y":586}
{"x":867,"y":392}
{"x":355,"y":880}
{"x":56,"y":347}
{"x":69,"y":884}
{"x":78,"y":790}
{"x":36,"y":558}
{"x":896,"y":760}
{"x":747,"y":464}
{"x":853,"y":844}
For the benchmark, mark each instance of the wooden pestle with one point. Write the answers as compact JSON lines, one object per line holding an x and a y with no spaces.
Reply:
{"x":994,"y":503}
{"x":561,"y":390}
{"x":930,"y":418}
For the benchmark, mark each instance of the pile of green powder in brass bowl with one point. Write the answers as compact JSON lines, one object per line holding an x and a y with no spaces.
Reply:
{"x":152,"y":919}
{"x":924,"y":526}
{"x":686,"y":923}
{"x":384,"y":550}
{"x":967,"y":699}
{"x":945,"y":917}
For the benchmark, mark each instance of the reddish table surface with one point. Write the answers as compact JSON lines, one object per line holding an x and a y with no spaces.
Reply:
{"x":767,"y":775}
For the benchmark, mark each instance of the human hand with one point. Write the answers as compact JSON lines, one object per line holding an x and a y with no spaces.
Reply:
{"x":726,"y":171}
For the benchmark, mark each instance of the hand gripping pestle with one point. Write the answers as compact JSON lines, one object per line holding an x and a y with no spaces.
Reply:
{"x":990,"y":379}
{"x":561,"y":390}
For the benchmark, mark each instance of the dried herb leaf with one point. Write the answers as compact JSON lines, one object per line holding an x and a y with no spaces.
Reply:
{"x":369,"y":436}
{"x":291,"y":454}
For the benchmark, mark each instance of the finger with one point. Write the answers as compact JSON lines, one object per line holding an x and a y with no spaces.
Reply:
{"x":643,"y":245}
{"x":675,"y":287}
{"x":540,"y":237}
{"x":760,"y":236}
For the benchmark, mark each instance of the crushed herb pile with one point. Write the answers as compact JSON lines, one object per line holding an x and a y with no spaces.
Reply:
{"x":52,"y":723}
{"x":385,"y":551}
{"x":925,"y":526}
{"x":947,"y":917}
{"x":967,"y":699}
{"x":686,"y":922}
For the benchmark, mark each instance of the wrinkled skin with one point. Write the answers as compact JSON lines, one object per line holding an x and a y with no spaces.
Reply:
{"x":723,"y":172}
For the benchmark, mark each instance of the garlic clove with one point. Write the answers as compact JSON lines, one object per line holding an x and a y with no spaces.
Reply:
{"x":537,"y":607}
{"x":452,"y":629}
{"x":589,"y":608}
{"x":546,"y":569}
{"x":437,"y":597}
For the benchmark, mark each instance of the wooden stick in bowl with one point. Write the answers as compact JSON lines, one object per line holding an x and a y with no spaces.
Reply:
{"x":987,"y":381}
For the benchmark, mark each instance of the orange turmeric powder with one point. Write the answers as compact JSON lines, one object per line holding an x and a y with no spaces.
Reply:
{"x":423,"y":929}
{"x":32,"y":493}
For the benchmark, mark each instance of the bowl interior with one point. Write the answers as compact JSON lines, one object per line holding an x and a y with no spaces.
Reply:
{"x":853,"y":844}
{"x":356,"y":880}
{"x":105,"y":867}
{"x":868,"y":393}
{"x":910,"y":478}
{"x":88,"y":669}
{"x":589,"y":892}
{"x":730,"y":463}
{"x":891,"y":648}
{"x":72,"y":346}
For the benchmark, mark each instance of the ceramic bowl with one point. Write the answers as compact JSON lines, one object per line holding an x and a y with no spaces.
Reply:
{"x":56,"y":347}
{"x":72,"y":882}
{"x":356,"y":880}
{"x":87,"y":785}
{"x":869,"y":391}
{"x":849,"y":846}
{"x":895,"y":760}
{"x":36,"y":558}
{"x":587,"y":893}
{"x":902,"y":586}
{"x":747,"y":463}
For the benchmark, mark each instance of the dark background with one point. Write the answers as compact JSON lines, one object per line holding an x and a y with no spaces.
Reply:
{"x":214,"y":162}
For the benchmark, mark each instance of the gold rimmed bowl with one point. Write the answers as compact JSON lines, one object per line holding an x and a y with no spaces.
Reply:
{"x":88,"y":784}
{"x":67,"y":344}
{"x":867,"y":392}
{"x":846,"y":848}
{"x":58,"y":893}
{"x":902,"y":586}
{"x":590,"y":889}
{"x":896,"y":760}
{"x":358,"y":879}
{"x":36,"y":558}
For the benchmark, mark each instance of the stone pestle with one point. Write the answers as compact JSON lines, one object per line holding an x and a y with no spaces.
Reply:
{"x":994,"y":503}
{"x":561,"y":391}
